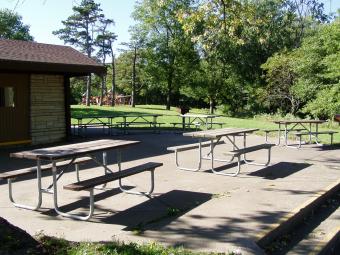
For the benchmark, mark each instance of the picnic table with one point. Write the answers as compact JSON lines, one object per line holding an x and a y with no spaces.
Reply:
{"x":93,"y":121}
{"x":73,"y":152}
{"x":140,"y":119}
{"x":196,"y":120}
{"x":214,"y":138}
{"x":85,"y":121}
{"x":300,"y":128}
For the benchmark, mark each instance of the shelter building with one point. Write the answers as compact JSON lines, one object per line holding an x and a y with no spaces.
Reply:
{"x":35,"y":90}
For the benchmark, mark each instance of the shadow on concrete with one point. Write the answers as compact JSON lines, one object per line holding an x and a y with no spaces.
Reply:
{"x":292,"y":191}
{"x":158,"y":211}
{"x":154,"y":213}
{"x":328,"y":147}
{"x":226,"y":167}
{"x":280,"y":170}
{"x":228,"y":230}
{"x":83,"y":202}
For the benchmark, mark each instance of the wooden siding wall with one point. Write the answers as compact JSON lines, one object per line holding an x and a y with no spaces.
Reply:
{"x":47,"y":109}
{"x":14,"y":121}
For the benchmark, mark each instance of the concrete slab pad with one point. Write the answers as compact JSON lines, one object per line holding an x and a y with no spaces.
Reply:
{"x":198,"y":210}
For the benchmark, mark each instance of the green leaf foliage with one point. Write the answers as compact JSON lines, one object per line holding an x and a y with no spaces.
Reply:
{"x":12,"y":27}
{"x":310,"y":73}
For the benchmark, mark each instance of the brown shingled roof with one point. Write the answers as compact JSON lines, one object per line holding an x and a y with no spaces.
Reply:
{"x":37,"y":57}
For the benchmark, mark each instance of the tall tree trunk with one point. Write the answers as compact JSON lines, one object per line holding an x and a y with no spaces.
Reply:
{"x":88,"y":50}
{"x":211,"y":105}
{"x":168,"y":96}
{"x":102,"y":89}
{"x":88,"y":90}
{"x":103,"y":85}
{"x":133,"y":93}
{"x":169,"y":89}
{"x":113,"y":80}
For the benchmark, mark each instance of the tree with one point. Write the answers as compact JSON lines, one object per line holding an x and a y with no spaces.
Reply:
{"x":167,"y":45}
{"x":310,"y":73}
{"x":79,"y":30}
{"x":11,"y":26}
{"x":131,"y":71}
{"x":281,"y":77}
{"x":239,"y":36}
{"x":104,"y":41}
{"x":134,"y":49}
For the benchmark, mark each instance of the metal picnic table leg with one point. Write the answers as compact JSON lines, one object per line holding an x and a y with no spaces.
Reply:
{"x":78,"y":129}
{"x":279,"y":134}
{"x":55,"y":199}
{"x":121,"y":186}
{"x":38,"y":205}
{"x":199,"y":159}
{"x":124,"y":123}
{"x":254,"y":163}
{"x":105,"y":167}
{"x":238,"y":161}
{"x":286,"y":134}
{"x":154,"y":123}
{"x":310,"y":132}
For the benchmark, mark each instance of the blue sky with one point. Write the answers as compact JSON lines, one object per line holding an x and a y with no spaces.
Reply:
{"x":45,"y":16}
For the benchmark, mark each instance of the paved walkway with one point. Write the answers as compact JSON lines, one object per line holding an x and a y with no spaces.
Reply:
{"x":197,"y":210}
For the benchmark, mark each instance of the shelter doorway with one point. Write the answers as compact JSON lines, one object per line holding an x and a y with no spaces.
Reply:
{"x":14,"y":109}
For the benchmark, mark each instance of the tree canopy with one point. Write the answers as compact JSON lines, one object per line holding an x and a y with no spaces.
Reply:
{"x":310,"y":74}
{"x":87,"y":29}
{"x":246,"y":57}
{"x":12,"y":27}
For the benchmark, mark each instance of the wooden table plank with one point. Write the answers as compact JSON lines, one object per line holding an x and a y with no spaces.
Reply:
{"x":72,"y":150}
{"x":217,"y":133}
{"x":299,"y":121}
{"x":198,"y":116}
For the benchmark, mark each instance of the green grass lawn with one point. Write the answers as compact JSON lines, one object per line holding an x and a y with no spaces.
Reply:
{"x":61,"y":246}
{"x":261,"y":122}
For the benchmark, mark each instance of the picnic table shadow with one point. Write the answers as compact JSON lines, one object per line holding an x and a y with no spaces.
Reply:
{"x":280,"y":170}
{"x":156,"y":212}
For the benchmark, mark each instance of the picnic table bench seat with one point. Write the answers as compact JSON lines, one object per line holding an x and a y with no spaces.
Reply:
{"x":267,"y":131}
{"x":32,"y":170}
{"x":91,"y":183}
{"x":250,"y":149}
{"x":196,"y":124}
{"x":93,"y":124}
{"x":243,"y":151}
{"x":121,"y":123}
{"x":99,"y":180}
{"x":330,"y":132}
{"x":84,"y":126}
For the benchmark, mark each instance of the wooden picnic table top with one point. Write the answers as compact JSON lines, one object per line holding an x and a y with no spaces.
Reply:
{"x":189,"y":115}
{"x":73,"y":150}
{"x":217,"y":133}
{"x":115,"y":116}
{"x":299,"y":121}
{"x":94,"y":117}
{"x":141,"y":115}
